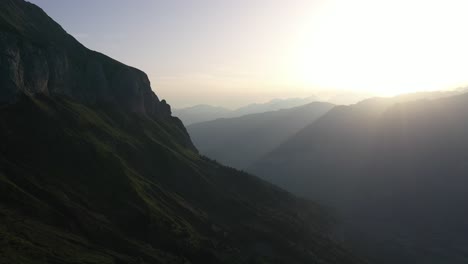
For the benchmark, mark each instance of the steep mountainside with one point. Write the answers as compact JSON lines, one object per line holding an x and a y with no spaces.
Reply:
{"x":38,"y":56}
{"x":238,"y":142}
{"x":100,"y":185}
{"x":395,"y":169}
{"x":94,"y":169}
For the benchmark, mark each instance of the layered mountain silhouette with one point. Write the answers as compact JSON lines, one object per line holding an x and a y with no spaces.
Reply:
{"x":94,"y":169}
{"x":203,"y":113}
{"x":394,"y":169}
{"x":239,"y":142}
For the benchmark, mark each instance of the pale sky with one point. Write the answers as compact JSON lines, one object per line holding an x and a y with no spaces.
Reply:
{"x":229,"y":53}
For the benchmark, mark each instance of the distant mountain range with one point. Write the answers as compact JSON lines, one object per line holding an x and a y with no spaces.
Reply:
{"x":394,"y":169}
{"x":240,"y":141}
{"x":95,"y":169}
{"x":202,"y":113}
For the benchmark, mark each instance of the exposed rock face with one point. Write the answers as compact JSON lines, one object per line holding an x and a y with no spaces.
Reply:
{"x":38,"y":56}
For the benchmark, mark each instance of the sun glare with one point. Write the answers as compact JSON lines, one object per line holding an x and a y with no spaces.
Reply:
{"x":386,"y":47}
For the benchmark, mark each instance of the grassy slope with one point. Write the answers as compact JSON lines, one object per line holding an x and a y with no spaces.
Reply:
{"x":83,"y":185}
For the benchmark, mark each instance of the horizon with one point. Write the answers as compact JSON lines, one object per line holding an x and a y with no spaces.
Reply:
{"x":317,"y":47}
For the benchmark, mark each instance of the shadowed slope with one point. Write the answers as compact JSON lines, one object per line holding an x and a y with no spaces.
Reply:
{"x":394,"y":169}
{"x":241,"y":141}
{"x":116,"y":185}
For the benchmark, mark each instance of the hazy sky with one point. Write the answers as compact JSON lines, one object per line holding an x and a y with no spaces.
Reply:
{"x":229,"y":53}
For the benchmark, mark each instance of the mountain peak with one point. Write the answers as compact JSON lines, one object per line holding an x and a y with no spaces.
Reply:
{"x":41,"y":57}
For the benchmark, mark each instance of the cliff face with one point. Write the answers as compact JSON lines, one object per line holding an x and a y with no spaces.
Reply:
{"x":38,"y":56}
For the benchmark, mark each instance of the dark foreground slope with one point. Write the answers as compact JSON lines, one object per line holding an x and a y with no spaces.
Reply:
{"x":239,"y":142}
{"x":101,"y":186}
{"x":94,"y":169}
{"x":395,"y":170}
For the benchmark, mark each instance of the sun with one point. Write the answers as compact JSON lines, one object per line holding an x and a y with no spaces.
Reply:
{"x":387,"y":48}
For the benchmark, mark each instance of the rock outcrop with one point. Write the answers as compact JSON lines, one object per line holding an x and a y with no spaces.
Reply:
{"x":38,"y":56}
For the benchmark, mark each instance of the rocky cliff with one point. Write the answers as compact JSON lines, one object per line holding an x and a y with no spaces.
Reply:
{"x":38,"y":56}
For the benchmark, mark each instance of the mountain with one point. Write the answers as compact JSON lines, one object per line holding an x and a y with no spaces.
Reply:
{"x":94,"y":169}
{"x":238,"y":142}
{"x":344,"y":97}
{"x":203,"y":113}
{"x":95,"y":185}
{"x":394,"y":170}
{"x":273,"y":105}
{"x":39,"y":57}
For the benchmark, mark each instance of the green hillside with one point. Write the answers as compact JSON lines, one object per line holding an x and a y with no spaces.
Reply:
{"x":84,"y":185}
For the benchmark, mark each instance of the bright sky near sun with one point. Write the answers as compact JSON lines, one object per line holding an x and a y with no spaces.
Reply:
{"x":229,"y":53}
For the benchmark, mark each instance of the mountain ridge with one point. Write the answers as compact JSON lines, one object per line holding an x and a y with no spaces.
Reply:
{"x":204,"y":113}
{"x":392,"y":169}
{"x":43,"y":58}
{"x":40,"y":57}
{"x":240,"y":141}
